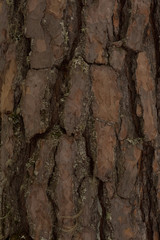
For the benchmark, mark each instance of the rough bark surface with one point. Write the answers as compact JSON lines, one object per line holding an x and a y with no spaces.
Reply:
{"x":80,"y":128}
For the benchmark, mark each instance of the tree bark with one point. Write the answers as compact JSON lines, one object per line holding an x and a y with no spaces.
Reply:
{"x":80,"y":107}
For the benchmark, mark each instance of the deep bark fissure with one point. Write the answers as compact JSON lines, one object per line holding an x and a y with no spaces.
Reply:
{"x":20,"y":194}
{"x":117,"y":162}
{"x":131,"y":63}
{"x":147,"y":184}
{"x":124,"y":18}
{"x":87,"y":135}
{"x":79,"y":28}
{"x":105,"y":227}
{"x":155,"y":22}
{"x":103,"y":217}
{"x":65,"y":65}
{"x":51,"y":199}
{"x":121,"y":18}
{"x":18,"y":178}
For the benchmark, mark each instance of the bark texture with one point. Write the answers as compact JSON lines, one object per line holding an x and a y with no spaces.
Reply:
{"x":80,"y":108}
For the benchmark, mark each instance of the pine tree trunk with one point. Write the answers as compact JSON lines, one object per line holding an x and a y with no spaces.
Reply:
{"x":80,"y":102}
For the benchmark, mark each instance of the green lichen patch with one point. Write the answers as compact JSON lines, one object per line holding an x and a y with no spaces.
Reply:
{"x":134,"y":141}
{"x":19,"y":236}
{"x":92,"y":141}
{"x":32,"y":159}
{"x":65,"y":34}
{"x":79,"y":62}
{"x":16,"y":119}
{"x":55,"y":134}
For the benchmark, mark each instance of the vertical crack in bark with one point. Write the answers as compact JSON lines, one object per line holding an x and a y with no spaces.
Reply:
{"x":50,"y":191}
{"x":131,"y":65}
{"x":103,"y":211}
{"x":16,"y":182}
{"x":124,"y":17}
{"x":79,"y":28}
{"x":117,"y":162}
{"x":148,"y":198}
{"x":90,"y":141}
{"x":66,"y":62}
{"x":105,"y":226}
{"x":155,"y":22}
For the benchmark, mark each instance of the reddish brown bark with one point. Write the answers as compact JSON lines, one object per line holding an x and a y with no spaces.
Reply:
{"x":80,"y":107}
